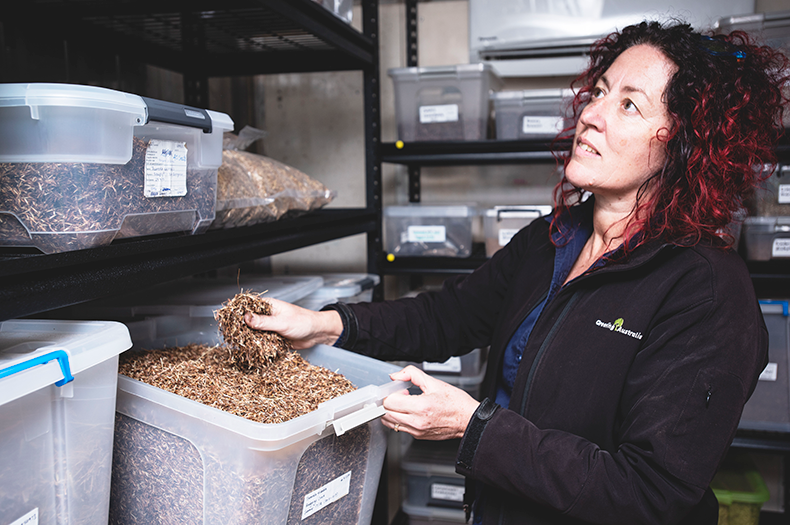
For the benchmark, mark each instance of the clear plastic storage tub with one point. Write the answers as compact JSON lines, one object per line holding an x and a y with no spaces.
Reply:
{"x":538,"y":114}
{"x":773,"y":198}
{"x":430,"y":477}
{"x":420,"y":230}
{"x":766,"y":238}
{"x":769,"y":407}
{"x":501,"y":223}
{"x":444,"y":102}
{"x":341,"y":287}
{"x":83,"y":165}
{"x":57,"y":406}
{"x":465,"y":372}
{"x":340,"y":8}
{"x":215,"y":467}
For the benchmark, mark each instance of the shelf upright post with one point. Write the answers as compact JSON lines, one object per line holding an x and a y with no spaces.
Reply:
{"x":411,"y":61}
{"x":194,"y":47}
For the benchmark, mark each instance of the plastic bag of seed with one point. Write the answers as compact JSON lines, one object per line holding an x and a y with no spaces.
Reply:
{"x":253,"y":188}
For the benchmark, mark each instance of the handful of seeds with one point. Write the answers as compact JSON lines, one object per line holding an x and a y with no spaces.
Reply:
{"x":249,"y":348}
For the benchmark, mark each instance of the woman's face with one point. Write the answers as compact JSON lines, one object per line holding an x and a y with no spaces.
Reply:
{"x":616,"y":146}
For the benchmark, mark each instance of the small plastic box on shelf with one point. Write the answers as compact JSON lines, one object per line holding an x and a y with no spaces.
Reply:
{"x":429,"y":476}
{"x":420,"y":230}
{"x":741,"y":492}
{"x":465,"y":372}
{"x":444,"y":102}
{"x":85,"y":165}
{"x":57,"y":404}
{"x":772,"y":199}
{"x":538,"y":114}
{"x":341,"y":287}
{"x":340,"y":8}
{"x":215,"y":467}
{"x":766,"y":238}
{"x":769,"y":407}
{"x":501,"y":223}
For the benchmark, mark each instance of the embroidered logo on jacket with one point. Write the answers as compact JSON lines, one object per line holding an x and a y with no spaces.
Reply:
{"x":617,"y":326}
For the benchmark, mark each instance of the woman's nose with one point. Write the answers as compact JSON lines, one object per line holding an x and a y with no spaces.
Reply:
{"x":593,"y":115}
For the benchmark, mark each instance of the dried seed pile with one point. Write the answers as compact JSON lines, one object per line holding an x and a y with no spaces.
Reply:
{"x":252,"y":189}
{"x":250,"y":348}
{"x":288,"y":388}
{"x":82,"y":197}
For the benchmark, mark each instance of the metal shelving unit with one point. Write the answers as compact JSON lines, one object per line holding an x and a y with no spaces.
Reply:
{"x":200,"y":39}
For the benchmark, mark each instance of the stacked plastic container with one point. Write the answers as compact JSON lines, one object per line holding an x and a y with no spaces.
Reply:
{"x":214,"y":467}
{"x":84,"y":165}
{"x":343,"y":288}
{"x":422,"y":230}
{"x":444,"y":102}
{"x":501,"y":223}
{"x":57,"y":406}
{"x":532,"y":114}
{"x":433,"y":491}
{"x":741,"y":491}
{"x":766,"y":232}
{"x":769,"y":406}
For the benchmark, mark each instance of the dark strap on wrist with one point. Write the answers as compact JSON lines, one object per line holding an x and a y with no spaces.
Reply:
{"x":348,"y":338}
{"x":474,"y":432}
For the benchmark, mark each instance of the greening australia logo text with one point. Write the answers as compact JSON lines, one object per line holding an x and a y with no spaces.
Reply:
{"x":617,"y":326}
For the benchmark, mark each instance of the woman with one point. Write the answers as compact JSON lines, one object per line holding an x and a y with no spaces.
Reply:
{"x":625,"y":336}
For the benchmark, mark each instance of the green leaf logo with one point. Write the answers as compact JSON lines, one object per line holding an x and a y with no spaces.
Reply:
{"x":618,"y":324}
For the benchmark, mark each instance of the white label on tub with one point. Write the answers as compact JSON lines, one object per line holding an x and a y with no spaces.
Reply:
{"x":769,"y":374}
{"x":541,"y":125}
{"x":781,"y":248}
{"x":446,"y":492}
{"x":452,"y":365}
{"x":427,"y":234}
{"x":165,"y":169}
{"x":31,"y":518}
{"x":505,"y":234}
{"x":329,"y":493}
{"x":443,"y":113}
{"x":784,"y":194}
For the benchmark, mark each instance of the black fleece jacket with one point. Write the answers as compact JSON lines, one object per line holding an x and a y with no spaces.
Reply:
{"x":629,"y":391}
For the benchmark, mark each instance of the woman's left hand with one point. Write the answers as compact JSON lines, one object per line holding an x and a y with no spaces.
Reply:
{"x":441,"y":412}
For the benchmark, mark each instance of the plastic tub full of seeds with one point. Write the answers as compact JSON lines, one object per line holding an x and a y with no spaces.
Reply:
{"x":57,"y":403}
{"x":423,"y":230}
{"x":81,"y":166}
{"x":532,"y":114}
{"x":180,"y":461}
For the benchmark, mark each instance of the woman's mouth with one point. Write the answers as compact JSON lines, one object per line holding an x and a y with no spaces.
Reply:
{"x":586,"y":147}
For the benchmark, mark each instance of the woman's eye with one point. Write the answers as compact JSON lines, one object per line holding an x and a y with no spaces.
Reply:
{"x":596,"y":92}
{"x":628,"y":105}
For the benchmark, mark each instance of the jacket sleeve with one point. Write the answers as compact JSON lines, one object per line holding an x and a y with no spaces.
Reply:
{"x":437,"y":325}
{"x":680,"y":408}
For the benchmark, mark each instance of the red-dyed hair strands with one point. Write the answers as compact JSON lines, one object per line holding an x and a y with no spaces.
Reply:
{"x":727,"y":119}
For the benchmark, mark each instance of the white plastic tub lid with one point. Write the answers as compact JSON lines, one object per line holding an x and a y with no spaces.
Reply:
{"x":35,"y":354}
{"x":461,"y":70}
{"x":341,"y":285}
{"x":518,"y":212}
{"x":198,"y":297}
{"x":72,"y":95}
{"x":532,"y":94}
{"x":424,"y":210}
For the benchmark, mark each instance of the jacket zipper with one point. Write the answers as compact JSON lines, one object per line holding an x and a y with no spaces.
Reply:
{"x":542,"y":350}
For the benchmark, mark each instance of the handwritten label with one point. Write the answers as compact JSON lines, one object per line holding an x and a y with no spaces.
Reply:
{"x":445,"y":492}
{"x":426,"y":234}
{"x":541,"y":125}
{"x":784,"y":194}
{"x":165,"y":169}
{"x":326,"y":495}
{"x":31,"y":518}
{"x":442,"y":113}
{"x":505,"y":234}
{"x":769,"y":373}
{"x":780,"y":248}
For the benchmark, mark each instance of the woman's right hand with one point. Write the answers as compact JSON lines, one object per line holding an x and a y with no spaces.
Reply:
{"x":305,"y":328}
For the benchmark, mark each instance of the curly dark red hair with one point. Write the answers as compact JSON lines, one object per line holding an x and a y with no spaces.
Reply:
{"x":726,"y":111}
